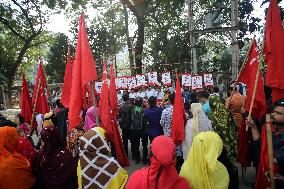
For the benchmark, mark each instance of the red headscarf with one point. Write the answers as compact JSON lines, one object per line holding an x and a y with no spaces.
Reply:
{"x":161,"y":174}
{"x":15,"y":171}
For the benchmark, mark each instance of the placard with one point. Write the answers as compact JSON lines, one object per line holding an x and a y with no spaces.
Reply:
{"x":208,"y":79}
{"x":196,"y":82}
{"x":166,"y":78}
{"x":152,"y":78}
{"x":140,"y":80}
{"x":186,"y":80}
{"x":98,"y":87}
{"x":131,"y":82}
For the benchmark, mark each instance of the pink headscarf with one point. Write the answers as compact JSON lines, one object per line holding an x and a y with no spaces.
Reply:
{"x":90,"y":119}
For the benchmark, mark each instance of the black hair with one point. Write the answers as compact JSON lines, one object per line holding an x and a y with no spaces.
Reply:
{"x":21,"y":119}
{"x":152,"y":101}
{"x":215,"y":89}
{"x":203,"y":94}
{"x":138,"y":102}
{"x":58,"y":103}
{"x":193,"y":98}
{"x":279,"y":102}
{"x":171,"y":98}
{"x":125,"y":97}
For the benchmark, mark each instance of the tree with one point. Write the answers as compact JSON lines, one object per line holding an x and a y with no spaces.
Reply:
{"x":56,"y":58}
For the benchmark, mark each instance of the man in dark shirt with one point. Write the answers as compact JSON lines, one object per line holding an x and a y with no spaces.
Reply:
{"x":153,"y":116}
{"x":125,"y":120}
{"x":277,"y":117}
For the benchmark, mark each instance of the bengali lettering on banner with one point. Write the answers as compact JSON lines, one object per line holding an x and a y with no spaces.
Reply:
{"x":152,"y":78}
{"x":98,"y":87}
{"x":196,"y":82}
{"x":186,"y":79}
{"x":208,"y":80}
{"x":166,"y":79}
{"x":141,"y":80}
{"x":131,"y":82}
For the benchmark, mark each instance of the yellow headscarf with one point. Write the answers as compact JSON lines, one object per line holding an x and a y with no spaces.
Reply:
{"x":202,"y":169}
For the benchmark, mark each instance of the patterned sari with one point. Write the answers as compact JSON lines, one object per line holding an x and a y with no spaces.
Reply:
{"x":97,"y":168}
{"x":225,"y":126}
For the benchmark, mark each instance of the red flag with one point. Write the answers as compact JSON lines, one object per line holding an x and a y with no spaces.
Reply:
{"x":41,"y":103}
{"x":177,"y":131}
{"x":274,"y":51}
{"x":26,"y":104}
{"x":83,"y":72}
{"x":66,"y":91}
{"x":113,"y":94}
{"x":109,"y":122}
{"x":248,"y":76}
{"x":262,"y":180}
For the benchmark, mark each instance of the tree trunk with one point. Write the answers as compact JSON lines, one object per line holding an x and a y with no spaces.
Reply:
{"x":139,"y":45}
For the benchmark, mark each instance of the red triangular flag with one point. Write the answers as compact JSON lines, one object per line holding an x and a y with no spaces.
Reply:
{"x":109,"y":122}
{"x":66,"y":91}
{"x":83,"y":72}
{"x":274,"y":51}
{"x":177,"y":130}
{"x":248,"y":76}
{"x":26,"y":104}
{"x":41,"y":103}
{"x":113,"y":93}
{"x":262,"y":180}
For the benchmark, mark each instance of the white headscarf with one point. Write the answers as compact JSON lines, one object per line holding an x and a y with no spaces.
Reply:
{"x":198,"y":123}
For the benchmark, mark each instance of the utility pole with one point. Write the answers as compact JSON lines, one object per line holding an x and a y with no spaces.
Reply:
{"x":192,"y":44}
{"x":235,"y":47}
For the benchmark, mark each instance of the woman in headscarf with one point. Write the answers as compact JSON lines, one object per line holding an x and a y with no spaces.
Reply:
{"x":198,"y":123}
{"x":15,"y":170}
{"x":225,"y":126}
{"x":90,"y":119}
{"x":161,"y":174}
{"x":54,"y":165}
{"x":96,"y":169}
{"x":202,"y":169}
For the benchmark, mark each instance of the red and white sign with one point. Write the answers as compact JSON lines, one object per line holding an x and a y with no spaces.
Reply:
{"x":186,"y":80}
{"x":196,"y":82}
{"x":131,"y":82}
{"x":208,"y":79}
{"x":141,"y":80}
{"x":98,"y":86}
{"x":166,"y":79}
{"x":152,"y":78}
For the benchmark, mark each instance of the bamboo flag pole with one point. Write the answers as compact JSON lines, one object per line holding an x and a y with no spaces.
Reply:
{"x":34,"y":105}
{"x":94,"y":102}
{"x":270,"y":151}
{"x":238,"y":77}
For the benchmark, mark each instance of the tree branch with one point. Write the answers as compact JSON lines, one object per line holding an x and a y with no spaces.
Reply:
{"x":130,"y":6}
{"x":6,"y":23}
{"x":26,"y":15}
{"x":38,"y":43}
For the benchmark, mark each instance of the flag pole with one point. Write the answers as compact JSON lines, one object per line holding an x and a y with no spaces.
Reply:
{"x":238,"y":77}
{"x":94,"y":102}
{"x":34,"y":107}
{"x":270,"y":151}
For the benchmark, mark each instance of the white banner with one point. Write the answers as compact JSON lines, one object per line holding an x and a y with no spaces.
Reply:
{"x":166,"y":78}
{"x":196,"y":82}
{"x":98,"y":87}
{"x":152,"y":78}
{"x":186,"y":80}
{"x":131,"y":82}
{"x":141,"y":80}
{"x":208,"y":79}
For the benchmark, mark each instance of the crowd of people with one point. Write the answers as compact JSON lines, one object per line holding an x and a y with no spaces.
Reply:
{"x":84,"y":158}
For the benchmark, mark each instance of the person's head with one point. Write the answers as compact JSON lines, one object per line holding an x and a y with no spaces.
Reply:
{"x":171,"y":99}
{"x":203,"y":96}
{"x":125,"y":97}
{"x":277,"y":115}
{"x":50,"y":136}
{"x":58,"y":103}
{"x":233,"y":88}
{"x":193,"y":98}
{"x":21,"y":119}
{"x":215,"y":89}
{"x":8,"y":140}
{"x":94,"y":141}
{"x":214,"y":102}
{"x":165,"y":156}
{"x":139,"y":101}
{"x":152,"y":101}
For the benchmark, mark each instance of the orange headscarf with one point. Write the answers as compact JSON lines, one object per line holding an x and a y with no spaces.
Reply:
{"x":15,"y":171}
